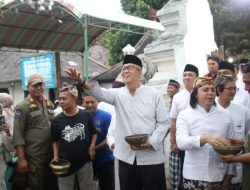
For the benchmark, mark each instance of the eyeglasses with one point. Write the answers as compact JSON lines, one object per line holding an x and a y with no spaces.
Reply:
{"x":128,"y":68}
{"x":232,"y":89}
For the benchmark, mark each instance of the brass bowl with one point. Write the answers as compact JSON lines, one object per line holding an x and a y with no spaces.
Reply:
{"x":136,"y":140}
{"x":226,"y":150}
{"x":60,"y":167}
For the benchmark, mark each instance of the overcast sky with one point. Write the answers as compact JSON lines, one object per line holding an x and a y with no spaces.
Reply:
{"x":99,"y":5}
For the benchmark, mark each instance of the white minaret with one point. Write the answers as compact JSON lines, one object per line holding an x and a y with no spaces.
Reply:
{"x":188,"y":38}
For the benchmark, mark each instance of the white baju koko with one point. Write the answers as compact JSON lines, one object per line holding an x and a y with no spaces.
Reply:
{"x":143,"y":113}
{"x":180,"y":103}
{"x":242,"y":97}
{"x":202,"y":163}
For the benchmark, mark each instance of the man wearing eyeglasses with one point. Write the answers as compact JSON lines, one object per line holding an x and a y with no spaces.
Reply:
{"x":241,"y":96}
{"x":226,"y":90}
{"x":180,"y":102}
{"x":32,"y":122}
{"x":139,"y":110}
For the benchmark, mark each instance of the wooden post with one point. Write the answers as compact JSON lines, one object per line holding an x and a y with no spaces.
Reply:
{"x":58,"y":73}
{"x":86,"y":48}
{"x":222,"y":52}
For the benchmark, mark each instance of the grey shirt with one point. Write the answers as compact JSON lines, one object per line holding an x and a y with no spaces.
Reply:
{"x":143,"y":113}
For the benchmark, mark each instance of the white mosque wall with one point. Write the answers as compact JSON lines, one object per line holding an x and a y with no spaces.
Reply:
{"x":188,"y":39}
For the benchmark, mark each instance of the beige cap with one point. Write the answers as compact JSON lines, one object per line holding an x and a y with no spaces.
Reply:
{"x":34,"y":79}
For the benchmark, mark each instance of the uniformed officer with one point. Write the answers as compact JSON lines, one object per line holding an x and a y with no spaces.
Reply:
{"x":32,"y":137}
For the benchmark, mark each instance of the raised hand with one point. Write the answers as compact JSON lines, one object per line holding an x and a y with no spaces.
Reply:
{"x":75,"y":75}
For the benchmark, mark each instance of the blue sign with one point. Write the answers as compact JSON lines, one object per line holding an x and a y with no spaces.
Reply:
{"x":43,"y":65}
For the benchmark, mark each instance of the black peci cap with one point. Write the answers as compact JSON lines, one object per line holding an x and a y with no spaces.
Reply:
{"x":192,"y":68}
{"x":226,"y":65}
{"x":174,"y":83}
{"x":132,"y":59}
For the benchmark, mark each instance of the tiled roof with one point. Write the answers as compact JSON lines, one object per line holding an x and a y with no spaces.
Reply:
{"x":10,"y":69}
{"x":111,"y":74}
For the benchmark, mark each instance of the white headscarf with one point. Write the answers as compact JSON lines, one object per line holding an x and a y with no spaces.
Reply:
{"x":6,"y":100}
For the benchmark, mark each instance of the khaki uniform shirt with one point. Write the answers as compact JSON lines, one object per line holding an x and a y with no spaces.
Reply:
{"x":32,"y":127}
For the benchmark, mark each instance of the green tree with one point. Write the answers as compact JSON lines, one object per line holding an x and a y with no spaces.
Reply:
{"x":114,"y":41}
{"x":231,"y":24}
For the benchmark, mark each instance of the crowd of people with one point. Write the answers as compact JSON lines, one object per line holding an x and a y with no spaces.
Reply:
{"x":209,"y":111}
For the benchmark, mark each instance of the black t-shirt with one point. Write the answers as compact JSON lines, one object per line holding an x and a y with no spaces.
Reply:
{"x":74,"y":136}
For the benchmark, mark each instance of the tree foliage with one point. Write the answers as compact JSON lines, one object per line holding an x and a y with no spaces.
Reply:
{"x":231,"y":25}
{"x":114,"y":41}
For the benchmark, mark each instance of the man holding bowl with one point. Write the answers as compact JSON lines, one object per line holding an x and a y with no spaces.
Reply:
{"x":139,"y":110}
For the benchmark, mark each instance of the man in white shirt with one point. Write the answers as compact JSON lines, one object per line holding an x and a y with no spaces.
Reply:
{"x":180,"y":102}
{"x":239,"y":81}
{"x":172,"y":88}
{"x":111,"y":131}
{"x":246,"y":77}
{"x":226,"y":90}
{"x":139,"y":110}
{"x":112,"y":128}
{"x":241,"y":96}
